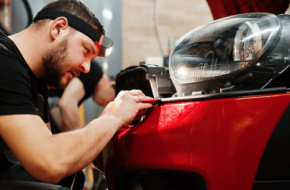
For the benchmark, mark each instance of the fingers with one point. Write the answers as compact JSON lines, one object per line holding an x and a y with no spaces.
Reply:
{"x":138,"y":93}
{"x":135,"y":98}
{"x":143,"y":106}
{"x":143,"y":98}
{"x":139,"y":99}
{"x":127,"y":106}
{"x":141,"y":112}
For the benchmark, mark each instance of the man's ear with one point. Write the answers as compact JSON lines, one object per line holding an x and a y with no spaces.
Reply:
{"x":58,"y":26}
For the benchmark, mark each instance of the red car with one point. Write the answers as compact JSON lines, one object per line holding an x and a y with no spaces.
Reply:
{"x":221,"y":120}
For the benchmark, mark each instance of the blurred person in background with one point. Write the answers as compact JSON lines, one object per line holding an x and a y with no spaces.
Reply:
{"x":65,"y":115}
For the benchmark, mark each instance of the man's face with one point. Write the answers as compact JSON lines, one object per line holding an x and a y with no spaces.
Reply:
{"x":70,"y":57}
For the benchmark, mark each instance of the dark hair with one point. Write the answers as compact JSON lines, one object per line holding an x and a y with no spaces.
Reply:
{"x":77,"y":8}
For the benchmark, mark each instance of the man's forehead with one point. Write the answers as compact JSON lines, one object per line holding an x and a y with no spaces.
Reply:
{"x":88,"y":42}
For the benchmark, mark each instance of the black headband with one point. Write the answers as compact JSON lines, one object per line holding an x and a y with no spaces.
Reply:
{"x":73,"y":21}
{"x":78,"y":24}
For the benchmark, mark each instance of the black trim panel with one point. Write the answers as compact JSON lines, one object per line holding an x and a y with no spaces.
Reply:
{"x":275,"y":162}
{"x":271,"y":185}
{"x":157,"y":179}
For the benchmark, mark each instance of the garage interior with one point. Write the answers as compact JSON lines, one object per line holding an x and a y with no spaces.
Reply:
{"x":142,"y":31}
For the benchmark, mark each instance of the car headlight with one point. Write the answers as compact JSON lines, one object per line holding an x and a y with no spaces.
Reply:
{"x":213,"y":56}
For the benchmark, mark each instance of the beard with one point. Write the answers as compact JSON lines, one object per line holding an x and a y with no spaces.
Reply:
{"x":54,"y":65}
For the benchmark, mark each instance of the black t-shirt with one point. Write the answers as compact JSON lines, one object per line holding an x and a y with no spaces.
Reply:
{"x":17,"y":94}
{"x":91,"y":79}
{"x":20,"y":93}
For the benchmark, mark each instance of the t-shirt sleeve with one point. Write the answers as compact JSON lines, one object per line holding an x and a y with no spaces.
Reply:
{"x":91,"y":79}
{"x":15,"y":88}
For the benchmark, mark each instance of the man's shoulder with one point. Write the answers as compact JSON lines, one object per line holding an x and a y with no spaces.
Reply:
{"x":15,"y":87}
{"x":12,"y":68}
{"x":7,"y":55}
{"x":9,"y":61}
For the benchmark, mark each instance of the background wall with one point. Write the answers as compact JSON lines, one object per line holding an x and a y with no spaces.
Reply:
{"x":173,"y":18}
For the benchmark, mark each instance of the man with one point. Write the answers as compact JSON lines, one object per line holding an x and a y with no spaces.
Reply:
{"x":52,"y":51}
{"x":65,"y":115}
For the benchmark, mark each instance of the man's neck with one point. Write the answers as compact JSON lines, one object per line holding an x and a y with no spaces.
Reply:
{"x":31,"y":45}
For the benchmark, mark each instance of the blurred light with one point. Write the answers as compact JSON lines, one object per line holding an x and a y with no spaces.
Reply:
{"x":107,"y":14}
{"x":105,"y":66}
{"x":109,"y":51}
{"x":182,"y":72}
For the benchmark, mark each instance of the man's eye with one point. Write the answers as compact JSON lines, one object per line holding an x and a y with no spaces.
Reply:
{"x":87,"y":50}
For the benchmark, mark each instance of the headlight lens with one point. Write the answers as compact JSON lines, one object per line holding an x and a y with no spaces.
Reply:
{"x":222,"y":47}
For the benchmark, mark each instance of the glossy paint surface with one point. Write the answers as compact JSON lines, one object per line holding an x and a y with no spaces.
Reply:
{"x":222,"y":139}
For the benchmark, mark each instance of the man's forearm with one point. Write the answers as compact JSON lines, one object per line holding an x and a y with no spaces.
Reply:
{"x":87,"y":141}
{"x":70,"y":116}
{"x":48,"y":157}
{"x":68,"y":105}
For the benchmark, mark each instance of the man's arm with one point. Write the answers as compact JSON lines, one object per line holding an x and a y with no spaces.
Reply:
{"x":48,"y":126}
{"x":104,"y":92}
{"x":52,"y":157}
{"x":65,"y":114}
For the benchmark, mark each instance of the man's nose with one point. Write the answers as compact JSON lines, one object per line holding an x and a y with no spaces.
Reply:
{"x":86,"y":66}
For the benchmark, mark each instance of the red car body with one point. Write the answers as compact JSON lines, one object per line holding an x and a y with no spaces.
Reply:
{"x":223,"y":140}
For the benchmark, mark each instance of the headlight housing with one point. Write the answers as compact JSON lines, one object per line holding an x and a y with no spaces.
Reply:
{"x":235,"y":53}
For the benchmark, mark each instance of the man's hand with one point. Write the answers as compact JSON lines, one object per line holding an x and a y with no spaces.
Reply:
{"x":127,"y":106}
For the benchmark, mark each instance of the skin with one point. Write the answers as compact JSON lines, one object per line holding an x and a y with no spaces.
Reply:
{"x":66,"y":115}
{"x":48,"y":157}
{"x":104,"y":92}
